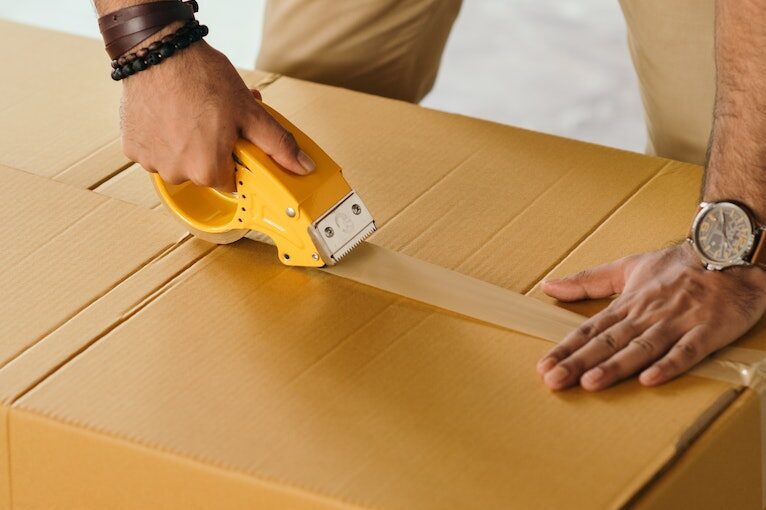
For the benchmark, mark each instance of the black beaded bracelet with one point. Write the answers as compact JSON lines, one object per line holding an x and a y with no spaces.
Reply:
{"x":158,"y":51}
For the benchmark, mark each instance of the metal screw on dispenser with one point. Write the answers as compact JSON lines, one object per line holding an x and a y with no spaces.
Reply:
{"x":315,"y":256}
{"x":356,"y":209}
{"x":329,"y":232}
{"x":290,"y":212}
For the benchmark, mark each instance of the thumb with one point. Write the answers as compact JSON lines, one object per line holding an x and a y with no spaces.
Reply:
{"x":269,"y":135}
{"x":598,"y":282}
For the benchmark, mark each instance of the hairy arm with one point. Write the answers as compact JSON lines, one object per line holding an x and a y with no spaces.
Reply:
{"x":736,"y":166}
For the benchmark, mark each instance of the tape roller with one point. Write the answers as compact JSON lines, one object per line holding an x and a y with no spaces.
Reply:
{"x":314,"y":220}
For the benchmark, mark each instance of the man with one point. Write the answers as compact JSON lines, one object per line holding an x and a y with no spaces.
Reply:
{"x":181,"y":119}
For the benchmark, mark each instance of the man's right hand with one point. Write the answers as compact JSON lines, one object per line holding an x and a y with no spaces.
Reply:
{"x":182,"y":117}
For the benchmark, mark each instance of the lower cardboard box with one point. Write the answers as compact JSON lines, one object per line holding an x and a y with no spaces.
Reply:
{"x":142,"y":368}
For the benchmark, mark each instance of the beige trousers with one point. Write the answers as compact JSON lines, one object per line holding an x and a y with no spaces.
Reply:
{"x":393,"y":48}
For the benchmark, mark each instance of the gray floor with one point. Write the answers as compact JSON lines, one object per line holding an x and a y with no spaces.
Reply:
{"x":559,"y":66}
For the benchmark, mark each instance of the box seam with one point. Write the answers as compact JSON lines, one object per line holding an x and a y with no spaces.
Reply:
{"x":131,"y":310}
{"x":587,"y":235}
{"x":694,"y":431}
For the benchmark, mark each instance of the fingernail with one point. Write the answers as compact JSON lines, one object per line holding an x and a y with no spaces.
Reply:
{"x":546,"y":364}
{"x":556,"y":375}
{"x":594,"y":375}
{"x":651,"y":374}
{"x":552,"y":280}
{"x":306,"y":162}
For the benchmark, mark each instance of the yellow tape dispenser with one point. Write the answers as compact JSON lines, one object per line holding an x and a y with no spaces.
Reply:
{"x":314,"y":220}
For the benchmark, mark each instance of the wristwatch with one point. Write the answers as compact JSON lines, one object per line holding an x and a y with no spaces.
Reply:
{"x":725,"y":234}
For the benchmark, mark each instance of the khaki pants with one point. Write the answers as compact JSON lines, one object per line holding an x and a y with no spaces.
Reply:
{"x":393,"y":48}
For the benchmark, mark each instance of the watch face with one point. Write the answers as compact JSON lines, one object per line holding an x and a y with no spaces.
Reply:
{"x":724,"y":233}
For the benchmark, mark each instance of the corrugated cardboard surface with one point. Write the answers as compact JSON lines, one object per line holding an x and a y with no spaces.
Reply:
{"x":205,"y":377}
{"x":343,"y":391}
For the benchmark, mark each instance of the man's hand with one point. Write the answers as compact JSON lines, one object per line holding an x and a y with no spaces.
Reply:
{"x":182,"y":117}
{"x":670,"y":314}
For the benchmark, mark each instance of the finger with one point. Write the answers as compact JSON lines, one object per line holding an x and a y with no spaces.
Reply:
{"x":172,"y":178}
{"x":277,"y":142}
{"x":224,"y":179}
{"x":687,"y":352}
{"x":598,"y":282}
{"x":256,"y":94}
{"x":640,"y":352}
{"x":599,"y":348}
{"x":579,"y":337}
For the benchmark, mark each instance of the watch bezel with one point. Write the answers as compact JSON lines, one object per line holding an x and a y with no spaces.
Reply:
{"x":741,"y":260}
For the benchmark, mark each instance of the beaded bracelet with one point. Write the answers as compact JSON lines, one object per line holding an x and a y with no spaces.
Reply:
{"x":158,"y":51}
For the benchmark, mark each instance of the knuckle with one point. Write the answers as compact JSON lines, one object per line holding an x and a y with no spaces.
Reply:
{"x":668,"y":365}
{"x":575,"y":364}
{"x":174,"y":178}
{"x":662,"y":326}
{"x":612,"y":369}
{"x":608,"y":341}
{"x":585,"y":274}
{"x":203,"y":177}
{"x":287,"y":141}
{"x":561,"y":352}
{"x":687,"y":350}
{"x":607,"y":317}
{"x":585,"y":329}
{"x":643,"y":345}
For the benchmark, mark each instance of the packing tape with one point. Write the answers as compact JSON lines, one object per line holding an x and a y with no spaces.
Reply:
{"x":400,"y":274}
{"x":406,"y":276}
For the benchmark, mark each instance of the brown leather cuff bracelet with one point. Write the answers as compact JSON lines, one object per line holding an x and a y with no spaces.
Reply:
{"x":128,"y":27}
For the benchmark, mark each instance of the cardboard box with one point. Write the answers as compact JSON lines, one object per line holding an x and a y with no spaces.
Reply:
{"x":164,"y":372}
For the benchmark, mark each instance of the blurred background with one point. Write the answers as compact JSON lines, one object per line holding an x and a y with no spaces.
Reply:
{"x":559,"y":66}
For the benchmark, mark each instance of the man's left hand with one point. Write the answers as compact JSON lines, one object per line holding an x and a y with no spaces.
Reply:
{"x":670,"y":314}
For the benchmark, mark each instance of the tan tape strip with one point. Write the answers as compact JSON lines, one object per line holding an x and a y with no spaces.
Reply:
{"x":428,"y":283}
{"x":409,"y":277}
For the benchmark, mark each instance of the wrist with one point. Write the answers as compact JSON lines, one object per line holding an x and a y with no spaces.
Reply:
{"x":164,"y":32}
{"x":157,"y":52}
{"x":742,"y":192}
{"x":736,"y":164}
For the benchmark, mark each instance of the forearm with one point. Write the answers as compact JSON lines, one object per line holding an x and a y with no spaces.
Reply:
{"x":736,"y":166}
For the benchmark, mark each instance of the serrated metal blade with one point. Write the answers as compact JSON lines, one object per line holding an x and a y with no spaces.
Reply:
{"x":342,"y":228}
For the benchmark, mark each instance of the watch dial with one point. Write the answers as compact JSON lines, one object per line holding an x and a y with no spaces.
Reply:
{"x":723,"y":233}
